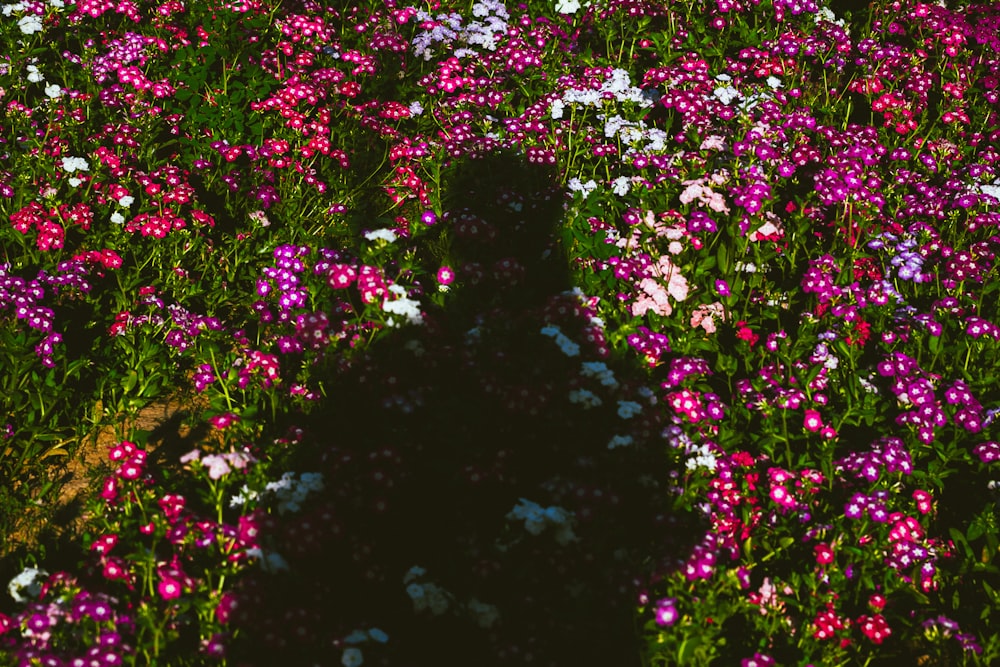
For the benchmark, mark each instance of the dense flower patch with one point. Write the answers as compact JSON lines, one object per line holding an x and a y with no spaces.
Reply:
{"x":560,"y":333}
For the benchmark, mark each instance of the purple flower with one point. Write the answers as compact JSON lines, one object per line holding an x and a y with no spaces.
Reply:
{"x":988,"y":452}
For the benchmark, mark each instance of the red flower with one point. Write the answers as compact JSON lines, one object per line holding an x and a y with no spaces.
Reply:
{"x":874,"y":627}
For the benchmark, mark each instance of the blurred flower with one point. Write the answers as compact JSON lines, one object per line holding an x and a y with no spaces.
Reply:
{"x":27,"y":584}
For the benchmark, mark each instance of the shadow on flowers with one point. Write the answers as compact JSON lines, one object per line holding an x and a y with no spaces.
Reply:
{"x":491,"y":480}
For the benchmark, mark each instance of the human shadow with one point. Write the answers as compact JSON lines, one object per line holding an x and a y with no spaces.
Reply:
{"x":429,"y":440}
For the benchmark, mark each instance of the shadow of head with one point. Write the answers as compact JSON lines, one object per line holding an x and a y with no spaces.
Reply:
{"x":503,"y":216}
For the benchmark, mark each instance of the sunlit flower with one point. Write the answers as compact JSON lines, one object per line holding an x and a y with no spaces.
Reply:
{"x":30,"y":24}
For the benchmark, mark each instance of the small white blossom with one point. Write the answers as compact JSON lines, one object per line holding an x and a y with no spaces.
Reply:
{"x":567,"y":6}
{"x":536,"y":519}
{"x":126,"y":201}
{"x":29,"y":582}
{"x":34,"y":75}
{"x":587,"y":399}
{"x":404,"y":306}
{"x":726,"y":94}
{"x":575,"y":185}
{"x":71,"y":164}
{"x":628,"y":409}
{"x":599,"y":370}
{"x":620,"y":441}
{"x":117,"y":218}
{"x":30,"y":24}
{"x":621,"y":186}
{"x":52,"y":91}
{"x":774,"y":82}
{"x":75,"y":182}
{"x":352,"y":657}
{"x":383,"y":234}
{"x":557,"y":109}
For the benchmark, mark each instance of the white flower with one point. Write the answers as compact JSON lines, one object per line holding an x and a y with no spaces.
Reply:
{"x":536,"y":519}
{"x":628,"y":409}
{"x":575,"y":185}
{"x":352,"y":657}
{"x":75,"y":182}
{"x":117,"y":218}
{"x":567,"y":6}
{"x":621,"y":186}
{"x":384,"y":234}
{"x":726,"y":95}
{"x":52,"y":91}
{"x":599,"y":370}
{"x":774,"y":82}
{"x":57,"y":4}
{"x":416,"y":108}
{"x":34,"y":75}
{"x":587,"y":399}
{"x":72,"y":164}
{"x":415,"y":591}
{"x":404,"y":306}
{"x":126,"y":201}
{"x":991,"y":190}
{"x":30,"y":24}
{"x":10,"y":9}
{"x":557,"y":109}
{"x":620,"y":441}
{"x":29,"y":582}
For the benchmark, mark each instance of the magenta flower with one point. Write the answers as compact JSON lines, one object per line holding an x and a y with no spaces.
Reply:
{"x":224,"y":420}
{"x":813,"y":421}
{"x":168,"y":588}
{"x":666,"y":612}
{"x":445,"y":275}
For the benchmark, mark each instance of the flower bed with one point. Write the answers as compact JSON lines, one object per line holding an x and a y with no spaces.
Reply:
{"x":621,"y":332}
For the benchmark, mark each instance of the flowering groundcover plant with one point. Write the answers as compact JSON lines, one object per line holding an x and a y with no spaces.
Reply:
{"x":511,"y":333}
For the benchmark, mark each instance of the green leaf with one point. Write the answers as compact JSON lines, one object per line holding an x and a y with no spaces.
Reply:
{"x":975,"y":530}
{"x":130,"y":380}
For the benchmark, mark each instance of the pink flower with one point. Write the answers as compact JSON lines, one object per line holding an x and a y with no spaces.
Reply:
{"x":218,"y":466}
{"x":445,"y":275}
{"x":109,"y":491}
{"x":924,"y":500}
{"x":103,"y":545}
{"x":666,"y":612}
{"x":824,"y":554}
{"x":780,"y":495}
{"x":705,"y":315}
{"x":114,"y":568}
{"x":813,"y":421}
{"x":169,"y":588}
{"x":224,"y":420}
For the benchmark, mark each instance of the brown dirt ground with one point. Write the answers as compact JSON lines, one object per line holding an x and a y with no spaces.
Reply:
{"x":63,"y":520}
